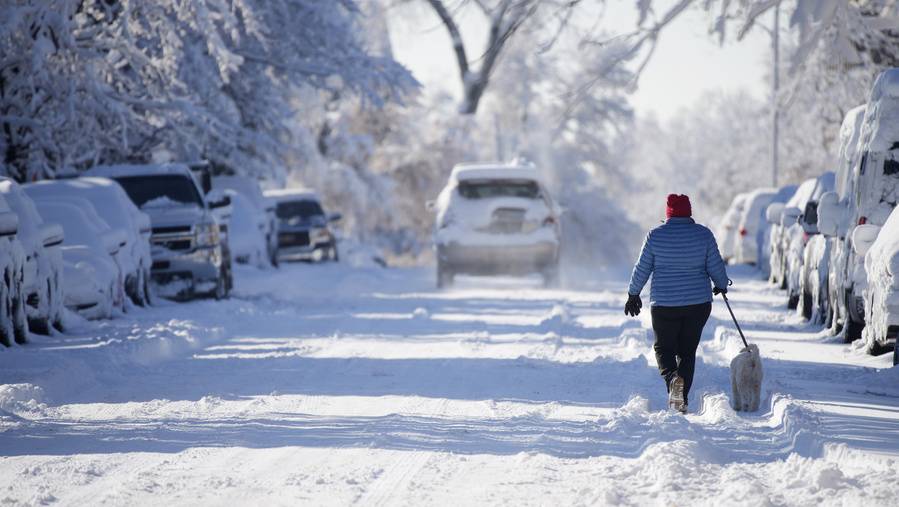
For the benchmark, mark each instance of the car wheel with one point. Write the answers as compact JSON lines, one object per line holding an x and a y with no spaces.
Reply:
{"x":853,"y":329}
{"x":221,"y":287}
{"x":138,"y":293}
{"x":148,"y":289}
{"x":20,"y":320}
{"x":806,"y":306}
{"x":444,"y":276}
{"x":895,"y":354}
{"x":39,"y":326}
{"x":878,"y":348}
{"x":551,"y":277}
{"x":793,"y":302}
{"x":7,"y":332}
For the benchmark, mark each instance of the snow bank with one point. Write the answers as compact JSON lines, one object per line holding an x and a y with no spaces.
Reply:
{"x":18,"y":398}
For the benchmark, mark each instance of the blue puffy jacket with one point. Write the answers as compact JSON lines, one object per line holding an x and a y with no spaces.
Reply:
{"x":681,"y":256}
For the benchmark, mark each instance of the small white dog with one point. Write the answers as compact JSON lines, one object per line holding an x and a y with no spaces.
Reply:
{"x":746,"y":379}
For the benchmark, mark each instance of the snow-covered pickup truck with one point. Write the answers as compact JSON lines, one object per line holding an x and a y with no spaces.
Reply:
{"x":186,"y":248}
{"x":496,"y":219}
{"x":304,"y":229}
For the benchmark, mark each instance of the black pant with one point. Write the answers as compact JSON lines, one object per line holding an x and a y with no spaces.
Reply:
{"x":677,"y":330}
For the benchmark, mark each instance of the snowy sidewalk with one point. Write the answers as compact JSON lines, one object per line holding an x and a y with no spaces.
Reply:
{"x":331,"y":385}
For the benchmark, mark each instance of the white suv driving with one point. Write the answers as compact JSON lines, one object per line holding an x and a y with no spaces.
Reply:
{"x":496,"y":219}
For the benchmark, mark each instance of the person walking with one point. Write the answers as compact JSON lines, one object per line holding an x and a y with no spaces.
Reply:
{"x":682,"y":256}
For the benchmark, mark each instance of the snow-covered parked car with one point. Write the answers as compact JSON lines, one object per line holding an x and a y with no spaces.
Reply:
{"x":881,"y":293}
{"x":110,"y":201}
{"x":729,"y":225}
{"x":13,"y":323}
{"x":834,"y":216}
{"x":43,"y":260}
{"x":94,"y":281}
{"x":263,"y":211}
{"x":185,"y":245}
{"x":496,"y":219}
{"x":804,"y":207}
{"x":748,"y":238}
{"x":768,"y":229}
{"x":304,"y":231}
{"x":870,"y":191}
{"x":246,"y":232}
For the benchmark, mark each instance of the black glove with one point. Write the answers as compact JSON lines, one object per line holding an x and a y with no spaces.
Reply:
{"x":719,"y":290}
{"x":633,"y":305}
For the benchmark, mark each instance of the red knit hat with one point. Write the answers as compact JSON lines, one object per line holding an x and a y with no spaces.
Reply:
{"x":678,"y":206}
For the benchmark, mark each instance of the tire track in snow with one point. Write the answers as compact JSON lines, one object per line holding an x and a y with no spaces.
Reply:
{"x":395,"y":478}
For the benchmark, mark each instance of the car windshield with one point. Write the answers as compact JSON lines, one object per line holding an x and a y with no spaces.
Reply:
{"x":499,"y":188}
{"x":303,"y":210}
{"x":159,"y":189}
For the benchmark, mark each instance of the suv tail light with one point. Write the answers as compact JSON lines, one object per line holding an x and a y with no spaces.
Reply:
{"x":862,"y":220}
{"x":742,"y":231}
{"x":548,"y":221}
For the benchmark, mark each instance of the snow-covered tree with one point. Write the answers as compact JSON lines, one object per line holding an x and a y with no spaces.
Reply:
{"x":83,"y":82}
{"x":541,"y":22}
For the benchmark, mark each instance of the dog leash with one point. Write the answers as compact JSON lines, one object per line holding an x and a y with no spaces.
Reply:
{"x":735,"y":319}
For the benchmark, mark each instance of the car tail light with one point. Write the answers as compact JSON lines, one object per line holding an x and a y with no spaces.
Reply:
{"x":862,"y":220}
{"x":742,"y":231}
{"x":548,"y":221}
{"x":805,"y":237}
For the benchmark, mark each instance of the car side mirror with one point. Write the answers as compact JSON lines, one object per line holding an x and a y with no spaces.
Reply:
{"x":863,"y":237}
{"x":773,"y":212}
{"x":9,"y":223}
{"x":218,"y":199}
{"x":334,"y":217}
{"x":51,"y":234}
{"x":829,"y":214}
{"x":790,"y":216}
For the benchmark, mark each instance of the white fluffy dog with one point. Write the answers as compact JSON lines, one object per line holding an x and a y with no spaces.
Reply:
{"x":746,"y":379}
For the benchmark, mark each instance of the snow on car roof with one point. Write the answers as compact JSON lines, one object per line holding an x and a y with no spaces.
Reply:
{"x":291,"y":194}
{"x":850,"y":129}
{"x":880,"y":129}
{"x":486,"y":171}
{"x":125,"y":170}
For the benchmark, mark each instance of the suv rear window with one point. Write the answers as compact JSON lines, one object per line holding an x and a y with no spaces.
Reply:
{"x":143,"y":189}
{"x":298,"y":209}
{"x":499,"y":188}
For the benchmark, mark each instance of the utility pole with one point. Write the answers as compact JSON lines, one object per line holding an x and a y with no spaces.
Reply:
{"x":775,"y":88}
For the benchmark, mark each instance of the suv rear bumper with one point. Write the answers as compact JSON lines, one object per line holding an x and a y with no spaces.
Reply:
{"x":499,"y":259}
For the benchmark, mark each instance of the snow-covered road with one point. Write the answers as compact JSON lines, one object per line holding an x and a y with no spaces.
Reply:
{"x":335,"y":385}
